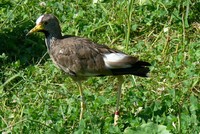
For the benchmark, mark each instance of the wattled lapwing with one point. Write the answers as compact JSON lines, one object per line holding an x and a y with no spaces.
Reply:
{"x":81,"y":58}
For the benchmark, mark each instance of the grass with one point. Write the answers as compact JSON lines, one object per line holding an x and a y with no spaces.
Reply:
{"x":36,"y":97}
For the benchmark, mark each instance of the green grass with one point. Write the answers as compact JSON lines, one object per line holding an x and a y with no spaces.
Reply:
{"x":36,"y":97}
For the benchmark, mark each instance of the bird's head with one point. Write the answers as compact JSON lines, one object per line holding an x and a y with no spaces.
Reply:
{"x":47,"y":24}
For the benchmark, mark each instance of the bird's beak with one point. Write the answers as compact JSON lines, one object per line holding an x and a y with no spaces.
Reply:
{"x":37,"y":28}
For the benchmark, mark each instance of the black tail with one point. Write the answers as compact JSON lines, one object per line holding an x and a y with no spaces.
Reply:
{"x":140,"y":68}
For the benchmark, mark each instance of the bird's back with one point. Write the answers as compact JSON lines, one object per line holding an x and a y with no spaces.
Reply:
{"x":79,"y":57}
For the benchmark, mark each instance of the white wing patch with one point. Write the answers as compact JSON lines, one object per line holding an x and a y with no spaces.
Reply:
{"x":39,"y":19}
{"x":115,"y":60}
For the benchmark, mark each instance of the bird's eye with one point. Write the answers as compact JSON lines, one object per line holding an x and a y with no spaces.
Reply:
{"x":45,"y":23}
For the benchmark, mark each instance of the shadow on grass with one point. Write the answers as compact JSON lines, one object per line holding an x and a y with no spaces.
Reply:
{"x":18,"y":47}
{"x":18,"y":51}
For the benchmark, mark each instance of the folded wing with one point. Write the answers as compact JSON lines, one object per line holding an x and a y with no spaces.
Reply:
{"x":80,"y":57}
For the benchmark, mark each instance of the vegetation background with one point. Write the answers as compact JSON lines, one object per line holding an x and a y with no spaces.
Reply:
{"x":36,"y":97}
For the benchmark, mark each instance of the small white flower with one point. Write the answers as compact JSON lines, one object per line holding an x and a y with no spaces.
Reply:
{"x":42,"y":4}
{"x":96,"y":1}
{"x":75,"y":15}
{"x":48,"y":122}
{"x":166,"y":29}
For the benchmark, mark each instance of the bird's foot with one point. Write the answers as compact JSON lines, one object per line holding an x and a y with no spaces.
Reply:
{"x":116,"y":118}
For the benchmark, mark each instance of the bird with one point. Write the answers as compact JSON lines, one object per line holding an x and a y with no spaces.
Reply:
{"x":81,"y":58}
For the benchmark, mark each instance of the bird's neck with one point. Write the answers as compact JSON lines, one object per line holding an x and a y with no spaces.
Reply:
{"x":50,"y":40}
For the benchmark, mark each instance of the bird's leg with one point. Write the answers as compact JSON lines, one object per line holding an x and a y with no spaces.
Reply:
{"x":82,"y":99}
{"x":121,"y":80}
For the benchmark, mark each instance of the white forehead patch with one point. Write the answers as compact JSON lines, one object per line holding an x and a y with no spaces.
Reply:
{"x":39,"y":19}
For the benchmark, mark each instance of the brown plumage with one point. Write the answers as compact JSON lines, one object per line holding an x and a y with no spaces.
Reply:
{"x":81,"y":58}
{"x":88,"y":59}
